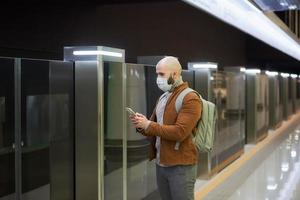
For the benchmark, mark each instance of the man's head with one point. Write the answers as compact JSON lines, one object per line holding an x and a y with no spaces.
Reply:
{"x":170,"y":68}
{"x":168,"y":71}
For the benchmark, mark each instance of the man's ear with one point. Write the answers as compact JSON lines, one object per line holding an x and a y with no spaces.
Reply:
{"x":171,"y":79}
{"x":175,"y":75}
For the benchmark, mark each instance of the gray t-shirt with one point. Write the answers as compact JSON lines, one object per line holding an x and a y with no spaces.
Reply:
{"x":160,"y":110}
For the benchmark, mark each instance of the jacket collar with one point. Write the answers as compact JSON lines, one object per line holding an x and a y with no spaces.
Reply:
{"x":181,"y":87}
{"x":178,"y":89}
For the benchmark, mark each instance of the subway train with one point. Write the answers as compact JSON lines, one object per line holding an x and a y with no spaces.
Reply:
{"x":65,"y":134}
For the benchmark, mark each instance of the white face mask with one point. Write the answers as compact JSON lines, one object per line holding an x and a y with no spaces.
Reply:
{"x":162,"y":84}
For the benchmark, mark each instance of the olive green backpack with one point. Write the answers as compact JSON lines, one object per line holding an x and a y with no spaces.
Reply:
{"x":206,"y":126}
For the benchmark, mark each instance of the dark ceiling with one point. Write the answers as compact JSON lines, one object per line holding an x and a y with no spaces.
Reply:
{"x":41,"y":31}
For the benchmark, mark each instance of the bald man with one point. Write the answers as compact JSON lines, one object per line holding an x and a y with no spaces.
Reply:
{"x":175,"y":165}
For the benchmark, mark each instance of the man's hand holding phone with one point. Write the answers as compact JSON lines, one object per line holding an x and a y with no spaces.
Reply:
{"x":132,"y":115}
{"x":139,"y":120}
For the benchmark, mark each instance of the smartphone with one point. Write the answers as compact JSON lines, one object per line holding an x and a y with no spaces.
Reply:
{"x":130,"y":111}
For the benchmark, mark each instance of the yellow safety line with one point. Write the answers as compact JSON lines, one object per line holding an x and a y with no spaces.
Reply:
{"x":230,"y":169}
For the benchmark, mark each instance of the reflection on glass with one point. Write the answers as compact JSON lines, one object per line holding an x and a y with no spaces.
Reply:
{"x":262,"y":104}
{"x":47,"y":130}
{"x":6,"y":157}
{"x":113,"y":130}
{"x":7,"y":123}
{"x":284,"y":95}
{"x":47,"y":120}
{"x":37,"y":123}
{"x":297,"y":94}
{"x":35,"y":129}
{"x":275,"y":111}
{"x":229,"y":94}
{"x":298,"y":88}
{"x":59,"y":119}
{"x":226,"y":90}
{"x":294,"y":95}
{"x":290,"y":87}
{"x":141,"y":90}
{"x":61,"y":146}
{"x":61,"y":130}
{"x":257,"y":103}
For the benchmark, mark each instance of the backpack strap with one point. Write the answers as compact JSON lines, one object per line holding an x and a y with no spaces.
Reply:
{"x":180,"y":97}
{"x":178,"y":105}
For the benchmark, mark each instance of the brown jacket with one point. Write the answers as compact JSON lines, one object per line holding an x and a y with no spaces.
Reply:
{"x":176,"y":127}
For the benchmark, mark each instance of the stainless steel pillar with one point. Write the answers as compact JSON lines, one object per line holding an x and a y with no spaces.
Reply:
{"x":89,"y":117}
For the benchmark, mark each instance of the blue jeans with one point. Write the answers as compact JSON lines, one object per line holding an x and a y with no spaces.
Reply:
{"x":176,"y":182}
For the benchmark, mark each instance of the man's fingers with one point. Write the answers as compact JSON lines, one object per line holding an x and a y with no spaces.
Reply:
{"x":140,"y":115}
{"x":140,"y":118}
{"x":132,"y":118}
{"x":135,"y":121}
